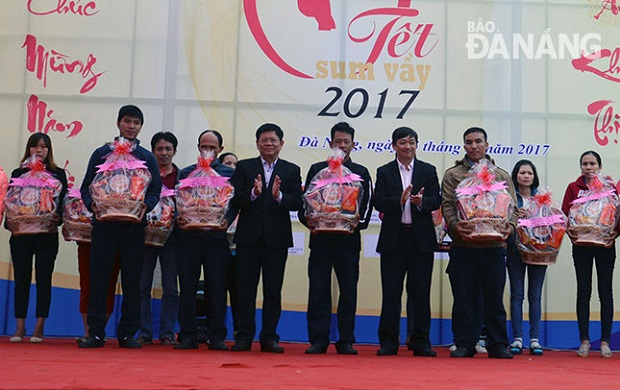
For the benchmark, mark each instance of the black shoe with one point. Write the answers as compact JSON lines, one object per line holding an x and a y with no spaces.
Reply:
{"x":241,"y":346}
{"x":129,"y":343}
{"x":187,"y":344}
{"x":219,"y":345}
{"x":271,"y":346}
{"x":499,"y":353}
{"x":316,"y":349}
{"x":462,"y":352}
{"x":92,"y":342}
{"x":427,"y":352}
{"x":346,"y":349}
{"x":144,"y":340}
{"x":387,"y":351}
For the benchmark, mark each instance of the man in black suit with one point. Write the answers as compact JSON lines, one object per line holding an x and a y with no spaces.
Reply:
{"x":407,"y":191}
{"x":340,"y":252}
{"x":267,"y":188}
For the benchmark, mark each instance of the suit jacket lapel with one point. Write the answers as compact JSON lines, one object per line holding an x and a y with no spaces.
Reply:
{"x":396,"y":175}
{"x":416,"y":178}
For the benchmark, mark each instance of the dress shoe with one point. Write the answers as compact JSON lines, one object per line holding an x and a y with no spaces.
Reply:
{"x":129,"y":343}
{"x":316,"y":349}
{"x":168,"y":341}
{"x":346,"y":349}
{"x":92,"y":342}
{"x":144,"y":340}
{"x":36,"y":339}
{"x":427,"y":352}
{"x":462,"y":352}
{"x":187,"y":344}
{"x":499,"y":353}
{"x":271,"y":346}
{"x":241,"y":346}
{"x":387,"y":351}
{"x":218,"y":345}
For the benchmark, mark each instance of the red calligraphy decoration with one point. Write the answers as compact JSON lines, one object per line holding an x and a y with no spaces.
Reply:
{"x":70,"y":177}
{"x":606,"y":121}
{"x":40,"y":119}
{"x":610,"y":68}
{"x":39,"y":61}
{"x":42,"y":7}
{"x":608,"y":5}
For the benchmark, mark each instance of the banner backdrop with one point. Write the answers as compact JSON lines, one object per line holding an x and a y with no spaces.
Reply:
{"x":540,"y":76}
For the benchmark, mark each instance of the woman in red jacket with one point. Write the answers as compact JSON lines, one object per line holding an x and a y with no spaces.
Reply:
{"x":583,"y":259}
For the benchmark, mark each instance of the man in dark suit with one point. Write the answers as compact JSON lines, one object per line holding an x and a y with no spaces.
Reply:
{"x":340,"y":252}
{"x":267,"y":188}
{"x":407,"y":191}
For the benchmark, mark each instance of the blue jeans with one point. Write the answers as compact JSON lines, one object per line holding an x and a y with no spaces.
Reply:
{"x":170,"y":295}
{"x":535,"y":279}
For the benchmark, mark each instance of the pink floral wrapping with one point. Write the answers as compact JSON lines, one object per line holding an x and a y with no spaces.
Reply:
{"x":77,"y":220}
{"x":332,"y":200}
{"x":4,"y":183}
{"x":32,"y":200}
{"x":120,"y":185}
{"x":540,"y":230}
{"x":203,"y":197}
{"x":484,"y":202}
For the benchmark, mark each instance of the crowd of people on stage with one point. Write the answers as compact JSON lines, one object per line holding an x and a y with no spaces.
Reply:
{"x":266,"y":189}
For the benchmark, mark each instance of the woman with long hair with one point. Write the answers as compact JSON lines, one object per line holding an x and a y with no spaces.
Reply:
{"x":42,"y":246}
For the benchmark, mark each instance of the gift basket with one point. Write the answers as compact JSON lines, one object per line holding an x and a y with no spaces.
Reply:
{"x":484,"y":203}
{"x":159,"y":221}
{"x":203,"y":197}
{"x":541,"y":230}
{"x":4,"y":183}
{"x":592,"y":217}
{"x":76,"y":218}
{"x":332,"y":200}
{"x":120,"y":185}
{"x":32,"y":200}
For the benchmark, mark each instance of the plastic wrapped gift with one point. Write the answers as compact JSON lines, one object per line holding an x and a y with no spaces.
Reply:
{"x":203,"y":197}
{"x":592,"y":217}
{"x":77,"y":220}
{"x":120,"y":185}
{"x":32,"y":200}
{"x":4,"y":183}
{"x":541,"y":230}
{"x":484,"y":203}
{"x":160,"y":220}
{"x":332,"y":200}
{"x":440,"y":226}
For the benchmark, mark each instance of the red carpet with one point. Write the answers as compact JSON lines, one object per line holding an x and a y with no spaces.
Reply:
{"x":58,"y":363}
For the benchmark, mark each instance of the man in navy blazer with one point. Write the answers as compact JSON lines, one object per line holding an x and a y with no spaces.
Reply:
{"x":267,"y":188}
{"x":407,"y":191}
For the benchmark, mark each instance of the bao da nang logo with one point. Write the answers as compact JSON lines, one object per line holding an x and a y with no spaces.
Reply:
{"x":391,"y":31}
{"x":485,"y":41}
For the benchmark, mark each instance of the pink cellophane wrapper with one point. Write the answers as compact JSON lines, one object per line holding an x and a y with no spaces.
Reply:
{"x":77,"y":220}
{"x":484,"y":203}
{"x":440,"y":226}
{"x":120,"y":185}
{"x":540,"y":230}
{"x":332,"y":200}
{"x":160,"y":220}
{"x":32,"y":200}
{"x":4,"y":184}
{"x":203,"y":197}
{"x":593,"y":217}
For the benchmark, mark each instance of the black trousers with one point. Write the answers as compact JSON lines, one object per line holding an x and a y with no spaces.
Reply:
{"x":345,"y":262}
{"x":604,"y":259}
{"x":44,"y":248}
{"x":251,"y":260}
{"x":406,"y":259}
{"x":213,"y":255}
{"x":469,"y":270}
{"x":107,"y":239}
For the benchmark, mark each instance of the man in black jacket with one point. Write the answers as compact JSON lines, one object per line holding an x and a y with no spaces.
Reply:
{"x":407,"y":192}
{"x":340,"y":252}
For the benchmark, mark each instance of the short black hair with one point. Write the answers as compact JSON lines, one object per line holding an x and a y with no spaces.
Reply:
{"x":269,"y":127}
{"x":596,"y":156}
{"x":130,"y":111}
{"x":222,"y":156}
{"x":515,"y":171}
{"x":475,"y":130}
{"x":217,"y":134}
{"x":166,"y":136}
{"x":404,"y":132}
{"x":343,"y":127}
